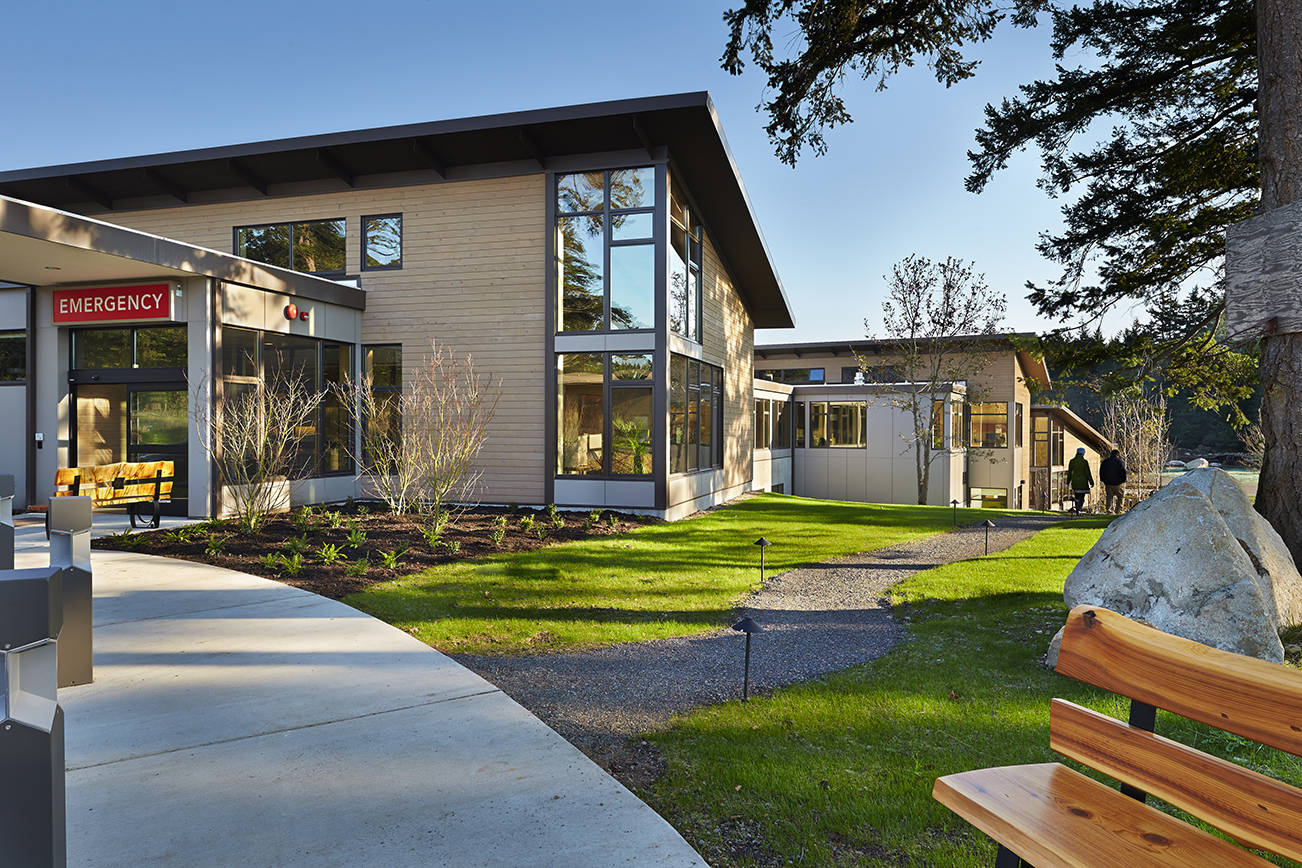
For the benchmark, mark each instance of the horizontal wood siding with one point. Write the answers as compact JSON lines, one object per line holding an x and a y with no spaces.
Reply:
{"x":728,"y":340}
{"x":472,"y":278}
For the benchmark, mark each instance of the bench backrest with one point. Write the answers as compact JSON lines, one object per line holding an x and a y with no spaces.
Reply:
{"x":138,"y":480}
{"x":1251,"y":698}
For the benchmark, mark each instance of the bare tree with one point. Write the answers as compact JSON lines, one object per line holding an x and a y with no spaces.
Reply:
{"x":1254,"y":444}
{"x":419,"y":446}
{"x":251,"y":436}
{"x":1140,"y":428}
{"x":937,"y":314}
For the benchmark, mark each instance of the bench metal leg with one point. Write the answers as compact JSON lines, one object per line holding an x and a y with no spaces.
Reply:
{"x":1008,"y":859}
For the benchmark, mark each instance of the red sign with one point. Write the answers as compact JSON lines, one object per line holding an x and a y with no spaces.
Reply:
{"x":113,"y":304}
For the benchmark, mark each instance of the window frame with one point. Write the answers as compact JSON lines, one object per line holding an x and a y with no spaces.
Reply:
{"x":19,"y":336}
{"x":292,"y":224}
{"x":861,"y":410}
{"x":609,"y":386}
{"x":680,"y":454}
{"x":994,"y":416}
{"x":362,"y":231}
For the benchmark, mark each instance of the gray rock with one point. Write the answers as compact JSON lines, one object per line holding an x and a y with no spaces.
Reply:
{"x":1195,"y":560}
{"x":1196,"y":464}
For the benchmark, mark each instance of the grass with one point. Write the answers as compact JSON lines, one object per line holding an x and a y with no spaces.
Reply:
{"x":840,"y":771}
{"x":660,"y":580}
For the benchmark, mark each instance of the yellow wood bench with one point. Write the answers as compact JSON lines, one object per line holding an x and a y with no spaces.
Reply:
{"x":127,"y":484}
{"x":1050,"y":815}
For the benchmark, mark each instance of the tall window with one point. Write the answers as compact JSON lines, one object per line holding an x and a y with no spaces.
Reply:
{"x":382,"y":242}
{"x":686,"y":243}
{"x":383,"y":370}
{"x":937,"y":424}
{"x":604,"y":398}
{"x":838,"y":423}
{"x":695,"y":415}
{"x":1040,"y":441}
{"x":13,"y":356}
{"x":782,"y":425}
{"x":989,"y":423}
{"x":956,"y":436}
{"x":312,"y":246}
{"x":1017,"y":425}
{"x":605,"y":250}
{"x":798,"y":410}
{"x":763,"y":423}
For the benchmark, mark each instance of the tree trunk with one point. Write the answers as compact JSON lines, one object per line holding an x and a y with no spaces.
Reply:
{"x":1279,"y":102}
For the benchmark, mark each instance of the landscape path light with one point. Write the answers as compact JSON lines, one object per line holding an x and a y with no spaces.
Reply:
{"x":747,"y":626}
{"x":954,"y":503}
{"x":988,"y":524}
{"x":763,"y":544}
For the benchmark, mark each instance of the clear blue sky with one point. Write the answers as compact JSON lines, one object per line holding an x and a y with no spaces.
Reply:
{"x":89,"y":80}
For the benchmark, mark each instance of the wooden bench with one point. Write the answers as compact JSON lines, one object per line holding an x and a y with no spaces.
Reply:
{"x":127,"y":483}
{"x":1050,"y":815}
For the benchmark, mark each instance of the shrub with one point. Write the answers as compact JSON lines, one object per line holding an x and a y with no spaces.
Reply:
{"x":271,"y":561}
{"x":296,"y":544}
{"x":216,"y":544}
{"x":356,"y":537}
{"x":393,"y":559}
{"x":359,"y":568}
{"x":332,"y":519}
{"x":540,"y":531}
{"x":551,"y":511}
{"x":432,"y":536}
{"x":498,"y":534}
{"x":526,"y":522}
{"x":558,"y":521}
{"x":612,"y":520}
{"x":500,"y":521}
{"x":329,"y":553}
{"x":304,"y":520}
{"x":593,"y":518}
{"x":292,"y":565}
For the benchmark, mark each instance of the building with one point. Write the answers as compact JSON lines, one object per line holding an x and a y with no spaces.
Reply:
{"x":1056,"y":434}
{"x":602,"y":262}
{"x":845,"y":434}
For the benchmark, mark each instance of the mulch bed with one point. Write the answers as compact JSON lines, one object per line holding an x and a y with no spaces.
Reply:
{"x":270,"y":552}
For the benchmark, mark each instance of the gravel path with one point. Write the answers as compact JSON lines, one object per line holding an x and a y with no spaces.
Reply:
{"x":817,"y":619}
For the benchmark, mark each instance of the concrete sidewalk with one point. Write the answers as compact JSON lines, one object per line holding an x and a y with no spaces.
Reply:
{"x":237,"y":721}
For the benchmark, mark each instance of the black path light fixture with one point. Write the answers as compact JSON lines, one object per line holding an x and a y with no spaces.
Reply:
{"x":954,"y":503}
{"x":988,"y":524}
{"x":747,"y":626}
{"x":763,"y":544}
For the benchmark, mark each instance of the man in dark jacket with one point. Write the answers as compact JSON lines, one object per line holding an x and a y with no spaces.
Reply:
{"x":1080,"y":478}
{"x":1112,"y":473}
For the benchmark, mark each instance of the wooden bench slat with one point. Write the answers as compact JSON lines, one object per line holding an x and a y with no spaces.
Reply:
{"x":1055,"y":817}
{"x":1248,"y":697}
{"x":1256,"y":810}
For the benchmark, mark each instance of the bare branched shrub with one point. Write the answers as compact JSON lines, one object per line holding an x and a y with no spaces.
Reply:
{"x":1254,"y":444}
{"x":251,"y":436}
{"x":1140,"y":428}
{"x":419,"y":446}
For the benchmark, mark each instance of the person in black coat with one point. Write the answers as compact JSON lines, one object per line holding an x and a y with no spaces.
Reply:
{"x":1112,"y":473}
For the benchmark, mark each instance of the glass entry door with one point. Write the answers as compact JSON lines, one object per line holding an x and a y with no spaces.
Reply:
{"x":135,"y":422}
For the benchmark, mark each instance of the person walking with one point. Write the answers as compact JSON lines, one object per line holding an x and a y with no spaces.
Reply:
{"x":1080,"y":478}
{"x":1112,"y":473}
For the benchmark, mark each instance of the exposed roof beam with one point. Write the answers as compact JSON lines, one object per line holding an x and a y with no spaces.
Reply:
{"x":642,"y":136}
{"x":532,"y":147}
{"x":426,"y":153}
{"x":247,"y":175}
{"x":91,"y":192}
{"x":327,"y":158}
{"x":173,"y":188}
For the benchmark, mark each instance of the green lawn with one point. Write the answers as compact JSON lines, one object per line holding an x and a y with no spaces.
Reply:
{"x":840,"y":771}
{"x":668,"y":579}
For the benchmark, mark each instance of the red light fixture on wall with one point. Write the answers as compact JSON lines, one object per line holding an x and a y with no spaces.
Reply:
{"x":292,"y":312}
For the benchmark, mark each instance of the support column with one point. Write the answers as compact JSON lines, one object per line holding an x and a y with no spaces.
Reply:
{"x":69,"y":522}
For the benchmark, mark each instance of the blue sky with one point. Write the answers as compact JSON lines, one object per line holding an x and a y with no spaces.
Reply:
{"x":92,"y":80}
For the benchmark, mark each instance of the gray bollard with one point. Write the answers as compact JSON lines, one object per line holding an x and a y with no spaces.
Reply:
{"x":69,"y":522}
{"x":33,"y":808}
{"x":6,"y":522}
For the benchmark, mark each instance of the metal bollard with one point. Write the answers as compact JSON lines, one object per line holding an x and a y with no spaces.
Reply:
{"x":33,"y":808}
{"x":69,"y":521}
{"x":6,"y":522}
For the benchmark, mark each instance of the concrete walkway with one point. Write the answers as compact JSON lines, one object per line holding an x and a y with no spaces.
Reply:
{"x":237,"y":721}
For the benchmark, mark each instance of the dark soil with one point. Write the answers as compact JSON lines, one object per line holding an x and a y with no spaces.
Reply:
{"x":469,"y":535}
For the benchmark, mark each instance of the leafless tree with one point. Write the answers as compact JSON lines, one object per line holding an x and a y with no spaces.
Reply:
{"x":252,"y":436}
{"x":1254,"y":444}
{"x":1140,"y":428}
{"x":937,"y":314}
{"x":419,"y":446}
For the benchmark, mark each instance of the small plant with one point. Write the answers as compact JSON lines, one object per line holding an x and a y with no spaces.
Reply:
{"x":454,"y":546}
{"x":180,"y":535}
{"x":304,"y":520}
{"x":356,"y":538}
{"x":292,"y":565}
{"x":359,"y":568}
{"x":331,"y":519}
{"x":329,"y":553}
{"x":432,"y":536}
{"x":497,"y":535}
{"x":558,"y":520}
{"x":592,"y":520}
{"x":126,"y":540}
{"x":216,"y":544}
{"x":500,"y":521}
{"x":526,"y":522}
{"x":513,"y":507}
{"x":540,"y":531}
{"x":442,"y":518}
{"x":612,"y":521}
{"x":271,"y":561}
{"x":363,"y":510}
{"x":551,"y":511}
{"x":391,"y":560}
{"x":296,"y":545}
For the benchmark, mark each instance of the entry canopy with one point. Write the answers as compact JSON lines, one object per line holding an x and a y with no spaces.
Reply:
{"x":514,"y":143}
{"x":43,"y":246}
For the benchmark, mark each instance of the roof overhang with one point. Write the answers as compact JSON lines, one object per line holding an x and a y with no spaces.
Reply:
{"x":511,"y":143}
{"x":43,"y":246}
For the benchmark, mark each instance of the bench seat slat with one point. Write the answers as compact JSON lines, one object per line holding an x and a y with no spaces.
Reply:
{"x":1248,"y":697}
{"x":1054,"y":817}
{"x":1256,"y":810}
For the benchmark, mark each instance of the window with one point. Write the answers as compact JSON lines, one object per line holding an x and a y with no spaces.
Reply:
{"x":146,"y":347}
{"x":1017,"y":426}
{"x":1039,"y":441}
{"x":989,"y":423}
{"x":794,"y":376}
{"x":686,"y":242}
{"x":838,"y":423}
{"x":383,"y":370}
{"x":874,"y":374}
{"x":782,"y":425}
{"x":937,"y":424}
{"x":588,"y":383}
{"x":798,"y":408}
{"x":605,"y":250}
{"x":13,"y":356}
{"x":1058,"y":457}
{"x":956,"y":435}
{"x":695,"y":415}
{"x":382,"y":242}
{"x":312,"y":246}
{"x":991,"y":498}
{"x":763,"y":423}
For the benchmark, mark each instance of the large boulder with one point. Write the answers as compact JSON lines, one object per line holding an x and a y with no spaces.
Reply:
{"x":1196,"y":560}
